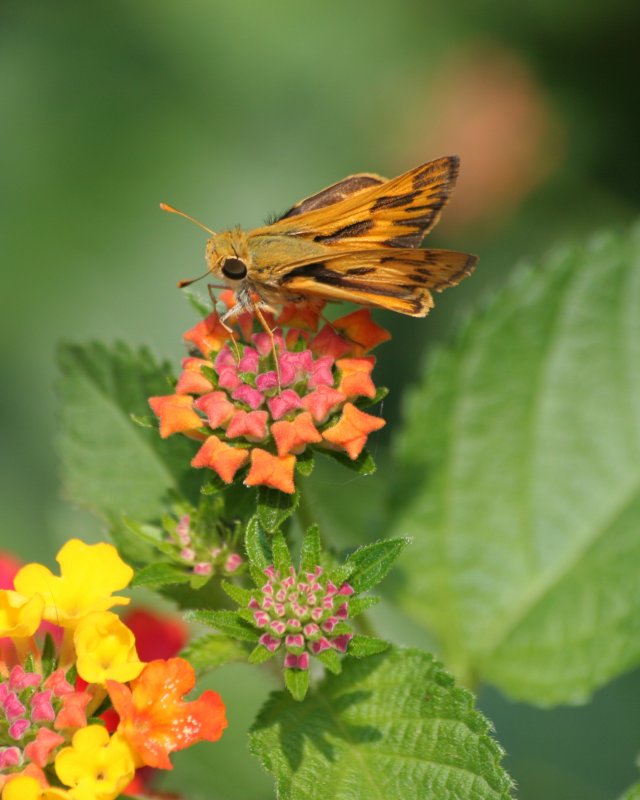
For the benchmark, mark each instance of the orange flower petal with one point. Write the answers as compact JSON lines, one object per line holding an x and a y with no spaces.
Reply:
{"x":322,"y":402}
{"x":250,"y":424}
{"x":217,"y":406}
{"x":294,"y":436}
{"x":328,"y":343}
{"x":191,"y":380}
{"x":73,"y":713}
{"x":355,"y":377}
{"x":352,"y":429}
{"x":176,"y":414}
{"x":154,"y":718}
{"x":269,"y":470}
{"x":362,"y":331}
{"x":220,"y":457}
{"x":209,"y":334}
{"x":300,"y":315}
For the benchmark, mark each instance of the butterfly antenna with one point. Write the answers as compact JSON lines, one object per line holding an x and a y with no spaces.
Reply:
{"x":172,"y":210}
{"x":189,"y":281}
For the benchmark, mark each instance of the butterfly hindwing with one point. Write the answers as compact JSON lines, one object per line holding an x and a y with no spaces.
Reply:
{"x":400,"y":281}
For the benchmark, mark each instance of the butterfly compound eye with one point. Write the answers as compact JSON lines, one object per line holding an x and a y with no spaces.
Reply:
{"x":234,"y":268}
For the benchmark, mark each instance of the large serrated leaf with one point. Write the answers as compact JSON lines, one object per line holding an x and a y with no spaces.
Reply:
{"x":369,"y":564}
{"x":111,"y":465}
{"x":519,"y":480}
{"x":390,"y":726}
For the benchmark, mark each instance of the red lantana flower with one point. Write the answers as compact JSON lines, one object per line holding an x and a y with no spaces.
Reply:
{"x":156,"y":720}
{"x":260,"y":401}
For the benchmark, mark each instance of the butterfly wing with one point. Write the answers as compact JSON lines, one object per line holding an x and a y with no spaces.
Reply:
{"x":396,"y":213}
{"x":333,"y":194}
{"x":400,"y":280}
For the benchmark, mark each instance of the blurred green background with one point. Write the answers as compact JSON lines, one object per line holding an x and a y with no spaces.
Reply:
{"x":232,"y":111}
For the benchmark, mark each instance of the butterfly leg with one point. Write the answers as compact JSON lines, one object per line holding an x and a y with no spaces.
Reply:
{"x":269,"y":332}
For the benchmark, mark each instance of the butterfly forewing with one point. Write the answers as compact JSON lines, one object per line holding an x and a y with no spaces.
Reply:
{"x":332,"y":194}
{"x":395,"y":213}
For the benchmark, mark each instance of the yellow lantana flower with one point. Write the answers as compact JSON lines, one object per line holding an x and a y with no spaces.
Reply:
{"x":106,"y":649}
{"x":88,"y":576}
{"x":96,"y":766}
{"x":25,"y":787}
{"x":19,"y":616}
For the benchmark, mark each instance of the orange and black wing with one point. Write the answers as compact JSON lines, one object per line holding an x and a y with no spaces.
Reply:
{"x":396,"y":213}
{"x":399,"y":280}
{"x":347,"y":187}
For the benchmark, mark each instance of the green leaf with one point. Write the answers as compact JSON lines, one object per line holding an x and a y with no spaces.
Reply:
{"x":111,"y":465}
{"x":363,"y":465}
{"x":258,"y":549}
{"x":275,"y":507}
{"x":632,"y":793}
{"x":372,"y":562}
{"x":281,"y":554}
{"x":361,"y":646}
{"x":331,"y":661}
{"x":390,"y":726}
{"x":260,"y":654}
{"x":297,"y":682}
{"x":160,"y":574}
{"x":213,"y":650}
{"x":359,"y":604}
{"x":305,"y":463}
{"x":367,"y":402}
{"x":228,"y":622}
{"x":311,"y":549}
{"x":238,"y":593}
{"x":518,"y":476}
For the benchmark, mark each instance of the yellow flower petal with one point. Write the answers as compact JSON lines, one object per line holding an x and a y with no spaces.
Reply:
{"x":88,"y":576}
{"x":19,"y":616}
{"x":106,"y":649}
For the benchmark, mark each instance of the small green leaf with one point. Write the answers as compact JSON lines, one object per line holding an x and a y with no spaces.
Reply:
{"x":260,"y":654}
{"x":367,"y":402}
{"x":213,"y":650}
{"x":390,"y":726}
{"x":274,"y":507}
{"x":372,"y":562}
{"x":305,"y":463}
{"x":238,"y":593}
{"x":311,"y":549}
{"x":331,"y":661}
{"x":632,"y":793}
{"x":160,"y":574}
{"x":359,"y":604}
{"x":257,"y":545}
{"x":281,"y":554}
{"x":228,"y":622}
{"x":297,"y":682}
{"x":363,"y":465}
{"x":361,"y":646}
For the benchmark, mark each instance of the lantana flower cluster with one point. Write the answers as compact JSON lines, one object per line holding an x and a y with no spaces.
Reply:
{"x":305,"y":611}
{"x":50,"y":746}
{"x":261,"y":400}
{"x":195,"y":541}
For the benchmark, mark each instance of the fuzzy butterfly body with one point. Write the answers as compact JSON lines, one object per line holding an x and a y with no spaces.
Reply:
{"x":357,"y":240}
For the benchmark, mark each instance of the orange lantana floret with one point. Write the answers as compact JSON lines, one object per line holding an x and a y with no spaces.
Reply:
{"x":292,"y":437}
{"x":355,"y":377}
{"x":208,"y":335}
{"x":156,"y":721}
{"x":352,"y":429}
{"x":176,"y":414}
{"x":191,"y":380}
{"x":220,"y":457}
{"x":270,"y":470}
{"x":360,"y":328}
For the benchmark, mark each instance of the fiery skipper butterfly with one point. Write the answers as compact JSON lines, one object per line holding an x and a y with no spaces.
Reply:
{"x":357,"y":240}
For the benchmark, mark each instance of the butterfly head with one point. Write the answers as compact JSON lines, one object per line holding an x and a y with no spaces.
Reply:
{"x":227,"y":256}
